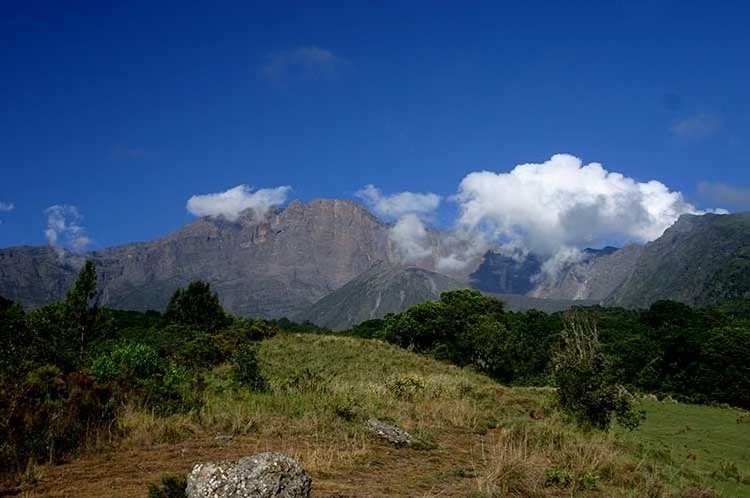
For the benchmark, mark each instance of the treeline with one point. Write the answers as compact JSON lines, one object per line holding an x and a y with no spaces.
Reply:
{"x":669,"y":349}
{"x":67,"y":368}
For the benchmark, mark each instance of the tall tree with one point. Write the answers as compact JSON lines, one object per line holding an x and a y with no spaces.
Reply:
{"x":196,"y":306}
{"x":82,"y":314}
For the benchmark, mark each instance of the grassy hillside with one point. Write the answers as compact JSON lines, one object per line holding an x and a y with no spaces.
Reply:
{"x":478,"y":438}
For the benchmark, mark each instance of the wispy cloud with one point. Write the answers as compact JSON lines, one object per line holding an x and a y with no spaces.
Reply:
{"x":231,"y":203}
{"x":724,"y":194}
{"x":306,"y":63}
{"x":697,"y":127}
{"x":6,"y":206}
{"x":397,"y":205}
{"x":409,"y":235}
{"x":64,"y":229}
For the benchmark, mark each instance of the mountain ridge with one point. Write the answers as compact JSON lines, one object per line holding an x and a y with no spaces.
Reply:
{"x":292,"y":258}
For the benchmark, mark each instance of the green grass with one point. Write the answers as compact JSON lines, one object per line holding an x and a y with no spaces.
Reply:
{"x":710,"y":443}
{"x":479,"y":438}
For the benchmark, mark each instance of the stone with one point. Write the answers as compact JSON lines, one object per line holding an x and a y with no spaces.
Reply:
{"x":265,"y":475}
{"x":394,"y":435}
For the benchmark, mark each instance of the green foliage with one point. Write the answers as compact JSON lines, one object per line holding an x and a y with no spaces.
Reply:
{"x":588,"y":481}
{"x":405,"y":387}
{"x":586,"y":388}
{"x":49,"y":414}
{"x":84,"y":317}
{"x":196,"y":306}
{"x":246,"y":370}
{"x":126,"y":360}
{"x":557,"y":478}
{"x":305,"y":327}
{"x":15,"y":340}
{"x":171,"y":486}
{"x":176,"y":390}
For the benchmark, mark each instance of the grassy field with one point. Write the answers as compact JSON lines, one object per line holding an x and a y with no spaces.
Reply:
{"x":478,"y":439}
{"x":708,"y":443}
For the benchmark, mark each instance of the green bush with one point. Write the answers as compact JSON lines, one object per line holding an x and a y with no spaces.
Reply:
{"x":126,"y":360}
{"x":177,"y":390}
{"x":586,"y":386}
{"x":196,"y":306}
{"x":246,"y":370}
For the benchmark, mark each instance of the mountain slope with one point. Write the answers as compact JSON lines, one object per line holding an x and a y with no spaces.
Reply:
{"x":699,"y":260}
{"x":271,"y":268}
{"x":383,"y":289}
{"x":595,"y":277}
{"x":36,"y":275}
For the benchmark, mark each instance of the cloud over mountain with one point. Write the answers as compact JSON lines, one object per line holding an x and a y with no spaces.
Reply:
{"x":230,"y":203}
{"x":563,"y":203}
{"x":409,"y":234}
{"x":64,"y":228}
{"x":397,"y":205}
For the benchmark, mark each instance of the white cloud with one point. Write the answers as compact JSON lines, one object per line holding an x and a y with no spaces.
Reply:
{"x":398,"y":205}
{"x":64,"y":229}
{"x":562,"y":204}
{"x":6,"y":206}
{"x":697,"y":126}
{"x":307,"y":62}
{"x":231,"y":203}
{"x":410,"y":238}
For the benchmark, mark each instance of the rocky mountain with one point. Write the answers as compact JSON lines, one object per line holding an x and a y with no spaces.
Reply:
{"x":699,"y":260}
{"x":290,"y":263}
{"x":595,"y":277}
{"x":36,"y":275}
{"x":500,"y":273}
{"x":384,"y":288}
{"x":272,"y":267}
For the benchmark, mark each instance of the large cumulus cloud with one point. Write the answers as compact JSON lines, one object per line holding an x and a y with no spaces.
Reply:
{"x":562,"y":203}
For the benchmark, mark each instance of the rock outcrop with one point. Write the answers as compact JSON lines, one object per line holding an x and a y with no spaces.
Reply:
{"x":390,"y":433}
{"x":265,"y":475}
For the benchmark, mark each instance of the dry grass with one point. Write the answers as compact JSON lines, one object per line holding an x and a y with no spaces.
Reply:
{"x":480,"y":439}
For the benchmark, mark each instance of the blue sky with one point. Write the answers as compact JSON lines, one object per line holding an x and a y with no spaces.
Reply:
{"x":123,"y":111}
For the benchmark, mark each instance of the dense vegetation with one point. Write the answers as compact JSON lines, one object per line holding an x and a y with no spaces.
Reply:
{"x":669,"y":349}
{"x":68,"y":367}
{"x":72,"y":367}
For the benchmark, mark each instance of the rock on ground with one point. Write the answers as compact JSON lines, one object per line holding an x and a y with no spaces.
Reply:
{"x":265,"y":475}
{"x":394,"y":435}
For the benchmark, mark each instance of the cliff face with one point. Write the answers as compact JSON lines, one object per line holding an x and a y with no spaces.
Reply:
{"x":700,"y":260}
{"x":36,"y":275}
{"x":272,"y":268}
{"x":593,"y":278}
{"x":281,"y":265}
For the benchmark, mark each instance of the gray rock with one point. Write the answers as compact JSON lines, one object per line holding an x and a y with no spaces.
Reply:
{"x":265,"y":475}
{"x":394,"y":435}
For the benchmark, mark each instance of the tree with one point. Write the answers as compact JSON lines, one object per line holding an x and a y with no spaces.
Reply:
{"x":81,"y":313}
{"x":586,"y":388}
{"x":198,"y":307}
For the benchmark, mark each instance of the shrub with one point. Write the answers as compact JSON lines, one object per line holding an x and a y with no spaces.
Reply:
{"x":126,"y":360}
{"x":49,"y":415}
{"x":246,"y":369}
{"x":196,"y":306}
{"x":586,"y":386}
{"x":177,"y":390}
